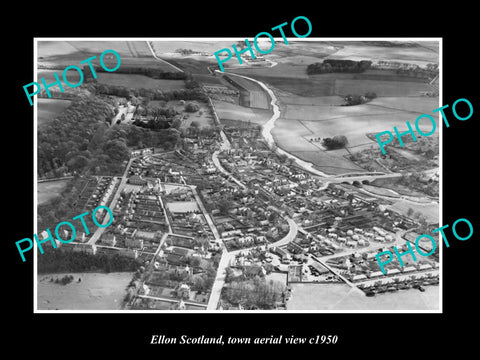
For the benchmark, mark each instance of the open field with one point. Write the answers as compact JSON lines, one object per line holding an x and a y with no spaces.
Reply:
{"x":194,"y":66}
{"x":203,"y":116}
{"x":48,"y":75}
{"x":331,"y":162}
{"x":228,"y":111}
{"x":96,"y":291}
{"x":312,"y":101}
{"x":48,"y":109}
{"x":352,"y":121}
{"x":204,"y":46}
{"x":49,"y":190}
{"x":65,"y":53}
{"x":136,"y":81}
{"x":421,"y":105}
{"x":380,"y":87}
{"x":342,"y":297}
{"x":430,"y":211}
{"x":293,"y":79}
{"x":353,"y":50}
{"x":182,"y":206}
{"x":292,"y":136}
{"x":300,"y":123}
{"x":283,"y":70}
{"x":210,"y":80}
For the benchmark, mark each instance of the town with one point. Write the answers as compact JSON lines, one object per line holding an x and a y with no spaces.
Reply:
{"x":212,"y":215}
{"x":223,"y":210}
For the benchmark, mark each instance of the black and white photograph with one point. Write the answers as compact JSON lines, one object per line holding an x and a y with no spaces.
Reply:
{"x":217,"y":180}
{"x":258,"y":187}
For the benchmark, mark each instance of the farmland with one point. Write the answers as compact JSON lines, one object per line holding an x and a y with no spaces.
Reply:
{"x":60,"y":54}
{"x":336,"y":84}
{"x":311,"y":108}
{"x":136,"y":81}
{"x":300,"y":123}
{"x":367,"y":50}
{"x":48,"y":109}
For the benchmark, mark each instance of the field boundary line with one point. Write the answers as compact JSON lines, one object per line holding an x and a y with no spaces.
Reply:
{"x":342,"y":116}
{"x":161,"y":60}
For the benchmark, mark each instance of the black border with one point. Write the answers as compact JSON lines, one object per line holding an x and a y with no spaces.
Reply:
{"x":367,"y":334}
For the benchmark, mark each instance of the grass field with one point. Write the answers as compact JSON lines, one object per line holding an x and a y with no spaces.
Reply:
{"x":203,"y":116}
{"x":299,"y":123}
{"x":96,"y":291}
{"x":364,"y":51}
{"x":48,"y":109}
{"x":380,"y":87}
{"x":312,"y":101}
{"x":341,"y":297}
{"x":49,"y":190}
{"x":194,"y":66}
{"x":136,"y":81}
{"x":282,"y":70}
{"x":228,"y":111}
{"x":65,"y":53}
{"x":309,"y":104}
{"x":204,"y":46}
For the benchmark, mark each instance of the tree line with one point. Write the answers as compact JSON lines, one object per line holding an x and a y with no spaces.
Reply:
{"x":335,"y":66}
{"x":193,"y":93}
{"x":154,"y":73}
{"x":60,"y":261}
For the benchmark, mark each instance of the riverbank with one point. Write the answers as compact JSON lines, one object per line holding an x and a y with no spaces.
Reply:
{"x":94,"y":291}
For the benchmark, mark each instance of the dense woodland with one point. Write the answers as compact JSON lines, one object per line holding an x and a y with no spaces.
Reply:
{"x":154,"y":73}
{"x":255,"y":293}
{"x":58,"y":261}
{"x":192,"y":92}
{"x":80,"y":139}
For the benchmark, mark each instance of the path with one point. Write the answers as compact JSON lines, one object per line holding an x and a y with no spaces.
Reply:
{"x":227,"y":257}
{"x":170,"y":300}
{"x":334,"y":271}
{"x":206,"y":214}
{"x":99,"y":231}
{"x":219,"y":280}
{"x":161,"y":60}
{"x":219,"y":166}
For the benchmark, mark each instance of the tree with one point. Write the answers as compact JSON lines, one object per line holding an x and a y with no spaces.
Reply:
{"x":337,"y":142}
{"x":116,"y":150}
{"x":191,"y":107}
{"x":224,"y":205}
{"x":176,"y":123}
{"x":77,"y":163}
